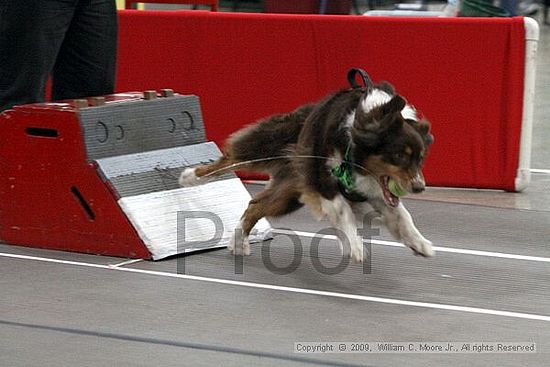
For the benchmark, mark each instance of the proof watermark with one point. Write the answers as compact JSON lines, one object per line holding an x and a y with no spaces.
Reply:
{"x":303,"y":248}
{"x":415,"y":347}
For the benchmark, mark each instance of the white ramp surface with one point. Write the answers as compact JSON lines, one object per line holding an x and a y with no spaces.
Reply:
{"x":155,"y":217}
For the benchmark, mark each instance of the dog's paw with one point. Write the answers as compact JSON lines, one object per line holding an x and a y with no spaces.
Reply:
{"x":188,"y":178}
{"x":421,"y":247}
{"x":356,"y":250}
{"x":239,"y":246}
{"x":357,"y":254}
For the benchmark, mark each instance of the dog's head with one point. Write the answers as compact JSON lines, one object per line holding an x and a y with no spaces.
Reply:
{"x":390,"y":142}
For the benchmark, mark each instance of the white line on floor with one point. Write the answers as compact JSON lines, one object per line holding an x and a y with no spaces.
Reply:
{"x":436,"y":248}
{"x":314,"y":292}
{"x":127,"y":262}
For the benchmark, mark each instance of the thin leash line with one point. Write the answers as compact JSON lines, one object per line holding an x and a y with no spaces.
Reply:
{"x":238,"y":164}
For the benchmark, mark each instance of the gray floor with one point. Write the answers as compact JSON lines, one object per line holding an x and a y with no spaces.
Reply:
{"x":490,"y":282}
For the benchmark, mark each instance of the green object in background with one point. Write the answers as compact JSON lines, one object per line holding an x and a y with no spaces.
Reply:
{"x":481,"y":8}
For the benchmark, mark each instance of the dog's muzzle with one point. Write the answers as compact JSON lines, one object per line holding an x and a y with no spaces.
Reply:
{"x":418,"y":184}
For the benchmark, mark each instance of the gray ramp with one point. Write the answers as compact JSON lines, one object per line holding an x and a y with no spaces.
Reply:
{"x":157,"y":170}
{"x":171,"y":219}
{"x":141,"y":147}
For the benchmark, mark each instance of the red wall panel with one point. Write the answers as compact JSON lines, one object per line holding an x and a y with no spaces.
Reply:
{"x":464,"y":74}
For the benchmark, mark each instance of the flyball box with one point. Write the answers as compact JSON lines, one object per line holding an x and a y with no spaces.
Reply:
{"x":100,"y":176}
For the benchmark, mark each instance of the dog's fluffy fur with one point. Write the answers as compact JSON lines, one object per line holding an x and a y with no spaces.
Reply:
{"x":299,"y":150}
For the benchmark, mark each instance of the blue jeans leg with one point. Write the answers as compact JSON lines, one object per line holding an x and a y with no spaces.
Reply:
{"x":86,"y":63}
{"x":73,"y":39}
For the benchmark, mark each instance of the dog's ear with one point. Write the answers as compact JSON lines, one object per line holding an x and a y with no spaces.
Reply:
{"x":392,"y":120}
{"x":424,"y":128}
{"x":392,"y":123}
{"x":385,"y":119}
{"x":396,"y":104}
{"x":386,"y":87}
{"x":366,"y":121}
{"x":366,"y":126}
{"x":429,"y":139}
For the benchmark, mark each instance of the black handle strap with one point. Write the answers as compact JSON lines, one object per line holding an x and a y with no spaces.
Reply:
{"x":367,"y":81}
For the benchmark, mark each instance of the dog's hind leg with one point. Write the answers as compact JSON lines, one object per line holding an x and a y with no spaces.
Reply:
{"x":193,"y":176}
{"x":274,"y":201}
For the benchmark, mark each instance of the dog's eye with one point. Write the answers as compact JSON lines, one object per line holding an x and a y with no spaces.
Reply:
{"x":399,"y":157}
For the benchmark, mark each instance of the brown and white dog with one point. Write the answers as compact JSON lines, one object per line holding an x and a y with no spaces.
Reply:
{"x":371,"y":133}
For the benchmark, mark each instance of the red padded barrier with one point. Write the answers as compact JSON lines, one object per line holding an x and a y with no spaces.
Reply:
{"x":464,"y":74}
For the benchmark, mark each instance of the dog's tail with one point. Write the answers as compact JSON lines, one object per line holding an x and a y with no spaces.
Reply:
{"x":193,"y":176}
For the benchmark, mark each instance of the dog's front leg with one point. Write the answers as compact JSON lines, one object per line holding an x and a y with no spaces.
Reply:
{"x":239,"y":244}
{"x":341,"y":216}
{"x":399,"y":222}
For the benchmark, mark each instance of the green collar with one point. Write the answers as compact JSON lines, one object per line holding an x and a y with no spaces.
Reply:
{"x":343,"y":172}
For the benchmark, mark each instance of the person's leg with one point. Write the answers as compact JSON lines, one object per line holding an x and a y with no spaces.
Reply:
{"x":31,"y":33}
{"x":86,"y":63}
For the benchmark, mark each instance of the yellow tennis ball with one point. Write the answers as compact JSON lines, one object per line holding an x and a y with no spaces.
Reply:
{"x":395,"y":188}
